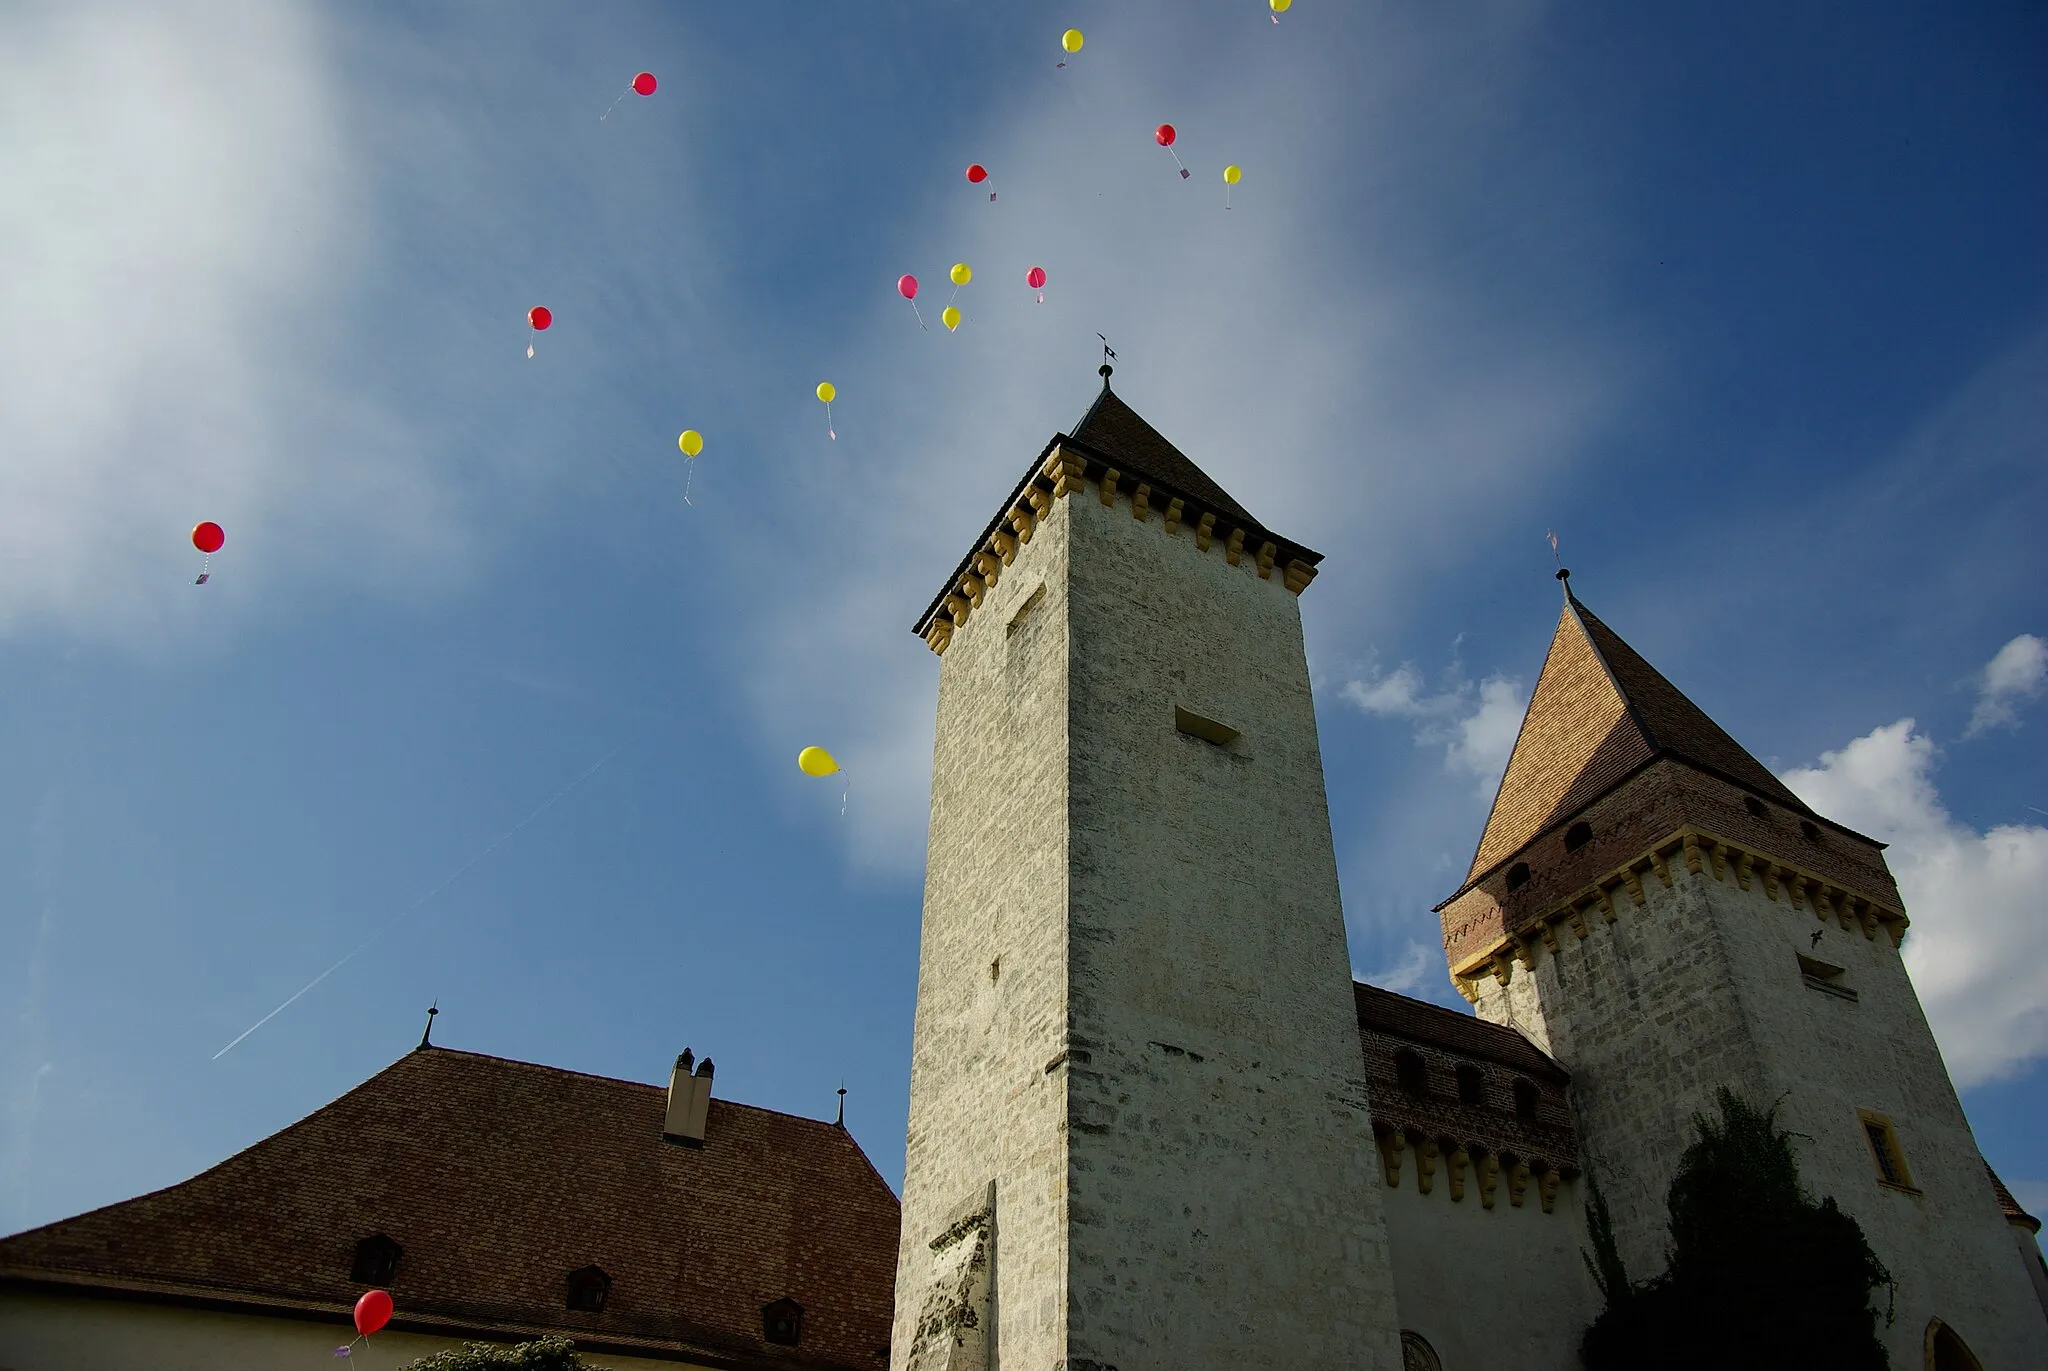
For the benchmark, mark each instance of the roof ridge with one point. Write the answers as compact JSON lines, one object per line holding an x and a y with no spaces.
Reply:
{"x":1579,"y":615}
{"x":615,"y":1080}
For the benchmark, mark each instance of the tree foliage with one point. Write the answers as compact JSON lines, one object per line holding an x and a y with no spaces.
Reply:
{"x":1760,"y":1275}
{"x":547,"y":1354}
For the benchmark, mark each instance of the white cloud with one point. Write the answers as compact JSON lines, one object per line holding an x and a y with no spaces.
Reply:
{"x":1405,"y":976}
{"x":2019,"y":672}
{"x":1475,"y":724}
{"x":1974,"y":949}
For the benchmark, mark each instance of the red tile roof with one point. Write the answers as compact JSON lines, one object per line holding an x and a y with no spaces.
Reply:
{"x":1446,"y":1040}
{"x":2010,"y":1207}
{"x":1598,"y":714}
{"x":498,"y":1178}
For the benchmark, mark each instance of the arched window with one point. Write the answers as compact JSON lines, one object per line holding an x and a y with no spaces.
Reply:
{"x":588,"y":1288}
{"x":1946,"y":1351}
{"x":1417,"y":1354}
{"x":1518,"y":875}
{"x":1577,"y":836}
{"x":1471,"y":1087}
{"x":1525,"y":1099}
{"x":376,"y":1261}
{"x":1410,"y":1074}
{"x":1755,"y":806}
{"x":782,"y":1323}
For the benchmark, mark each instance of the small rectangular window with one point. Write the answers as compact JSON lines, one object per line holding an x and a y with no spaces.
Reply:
{"x":1884,"y":1151}
{"x":1208,"y":730}
{"x":1825,"y":977}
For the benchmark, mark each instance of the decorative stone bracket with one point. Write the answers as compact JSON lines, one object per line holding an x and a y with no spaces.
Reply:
{"x":1487,"y":1166}
{"x":1704,"y":854}
{"x":1068,"y":468}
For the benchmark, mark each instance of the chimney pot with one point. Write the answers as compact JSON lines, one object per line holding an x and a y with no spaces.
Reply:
{"x":689,"y":1102}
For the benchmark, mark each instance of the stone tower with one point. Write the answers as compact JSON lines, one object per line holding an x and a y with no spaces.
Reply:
{"x":1138,"y":1129}
{"x":1658,"y":911}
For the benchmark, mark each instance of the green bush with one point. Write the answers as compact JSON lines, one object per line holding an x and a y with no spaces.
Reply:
{"x":1760,"y":1276}
{"x":548,"y":1354}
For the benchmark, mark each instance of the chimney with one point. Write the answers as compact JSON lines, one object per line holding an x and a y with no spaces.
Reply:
{"x":689,"y":1101}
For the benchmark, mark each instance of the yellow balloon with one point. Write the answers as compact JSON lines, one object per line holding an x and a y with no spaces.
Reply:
{"x":816,"y":761}
{"x":1233,"y":174}
{"x":962,"y":273}
{"x":1071,"y":40}
{"x":692,"y":442}
{"x":1279,"y":6}
{"x":826,"y":392}
{"x":950,"y":317}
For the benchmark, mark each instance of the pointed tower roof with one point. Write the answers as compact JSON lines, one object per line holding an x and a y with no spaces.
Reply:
{"x":1112,"y":443}
{"x":1599,"y":714}
{"x":1117,"y":433}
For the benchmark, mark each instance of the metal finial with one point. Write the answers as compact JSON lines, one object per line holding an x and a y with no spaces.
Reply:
{"x":841,"y":1120}
{"x":427,"y":1034}
{"x":1564,"y":574}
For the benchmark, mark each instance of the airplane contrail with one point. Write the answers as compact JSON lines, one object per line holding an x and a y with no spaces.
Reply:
{"x":412,"y":908}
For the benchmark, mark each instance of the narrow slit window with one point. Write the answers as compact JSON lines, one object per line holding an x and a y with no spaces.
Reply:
{"x":1207,"y":729}
{"x":1885,"y":1152}
{"x":1825,"y":977}
{"x":1410,"y":1073}
{"x":1471,"y":1087}
{"x":1525,"y":1099}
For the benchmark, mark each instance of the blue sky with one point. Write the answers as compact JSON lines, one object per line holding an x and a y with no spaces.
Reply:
{"x":1747,"y":303}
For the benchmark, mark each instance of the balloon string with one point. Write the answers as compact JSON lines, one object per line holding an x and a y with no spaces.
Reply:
{"x":1041,"y":297}
{"x":205,"y":568}
{"x":1176,"y":162}
{"x":920,"y":316}
{"x":615,"y":104}
{"x":828,"y":422}
{"x":689,"y":475}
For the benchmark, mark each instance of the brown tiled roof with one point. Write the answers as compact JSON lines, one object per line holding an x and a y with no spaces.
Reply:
{"x":1446,"y":1040}
{"x":1600,"y":712}
{"x":2014,"y":1213}
{"x":498,"y":1178}
{"x":1116,"y":431}
{"x":1113,"y":435}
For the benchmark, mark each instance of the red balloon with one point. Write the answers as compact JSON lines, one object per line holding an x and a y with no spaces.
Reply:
{"x":643,"y":84}
{"x":373,"y":1311}
{"x":1164,"y":133}
{"x":207,"y":537}
{"x":1035,"y":277}
{"x":540,"y":316}
{"x":977,"y":173}
{"x":906,"y":286}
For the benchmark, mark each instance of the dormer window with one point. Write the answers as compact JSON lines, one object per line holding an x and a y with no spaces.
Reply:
{"x":1518,"y":875}
{"x":1471,"y":1087}
{"x":1755,"y":806}
{"x":782,"y":1323}
{"x":1577,"y":836}
{"x":376,"y":1261}
{"x":1810,"y":829}
{"x":1409,"y":1072}
{"x":588,"y":1289}
{"x":1525,"y":1100}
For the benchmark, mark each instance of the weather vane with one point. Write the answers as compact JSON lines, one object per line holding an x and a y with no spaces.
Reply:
{"x":1108,"y":356}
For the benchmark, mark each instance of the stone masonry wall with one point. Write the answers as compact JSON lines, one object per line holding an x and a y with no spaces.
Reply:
{"x":1701,"y":986}
{"x":1223,"y":1205}
{"x":992,"y":970}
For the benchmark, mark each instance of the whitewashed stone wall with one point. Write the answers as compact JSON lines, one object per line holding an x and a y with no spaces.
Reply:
{"x":1164,"y":1077}
{"x":1501,"y":1287}
{"x":1701,"y":987}
{"x":57,"y":1332}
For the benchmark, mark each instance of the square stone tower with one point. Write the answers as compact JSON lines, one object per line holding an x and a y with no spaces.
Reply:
{"x":1138,"y":1127}
{"x":1663,"y":916}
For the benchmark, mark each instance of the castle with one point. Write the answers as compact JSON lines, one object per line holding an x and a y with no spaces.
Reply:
{"x":1154,"y":1123}
{"x":1143,"y":1136}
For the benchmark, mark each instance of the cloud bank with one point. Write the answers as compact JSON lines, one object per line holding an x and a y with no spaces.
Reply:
{"x":1974,"y":949}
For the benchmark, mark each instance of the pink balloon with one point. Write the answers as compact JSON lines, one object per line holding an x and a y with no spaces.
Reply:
{"x":1165,"y":134}
{"x":373,"y":1311}
{"x":1035,"y":277}
{"x":906,"y":286}
{"x":643,"y":84}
